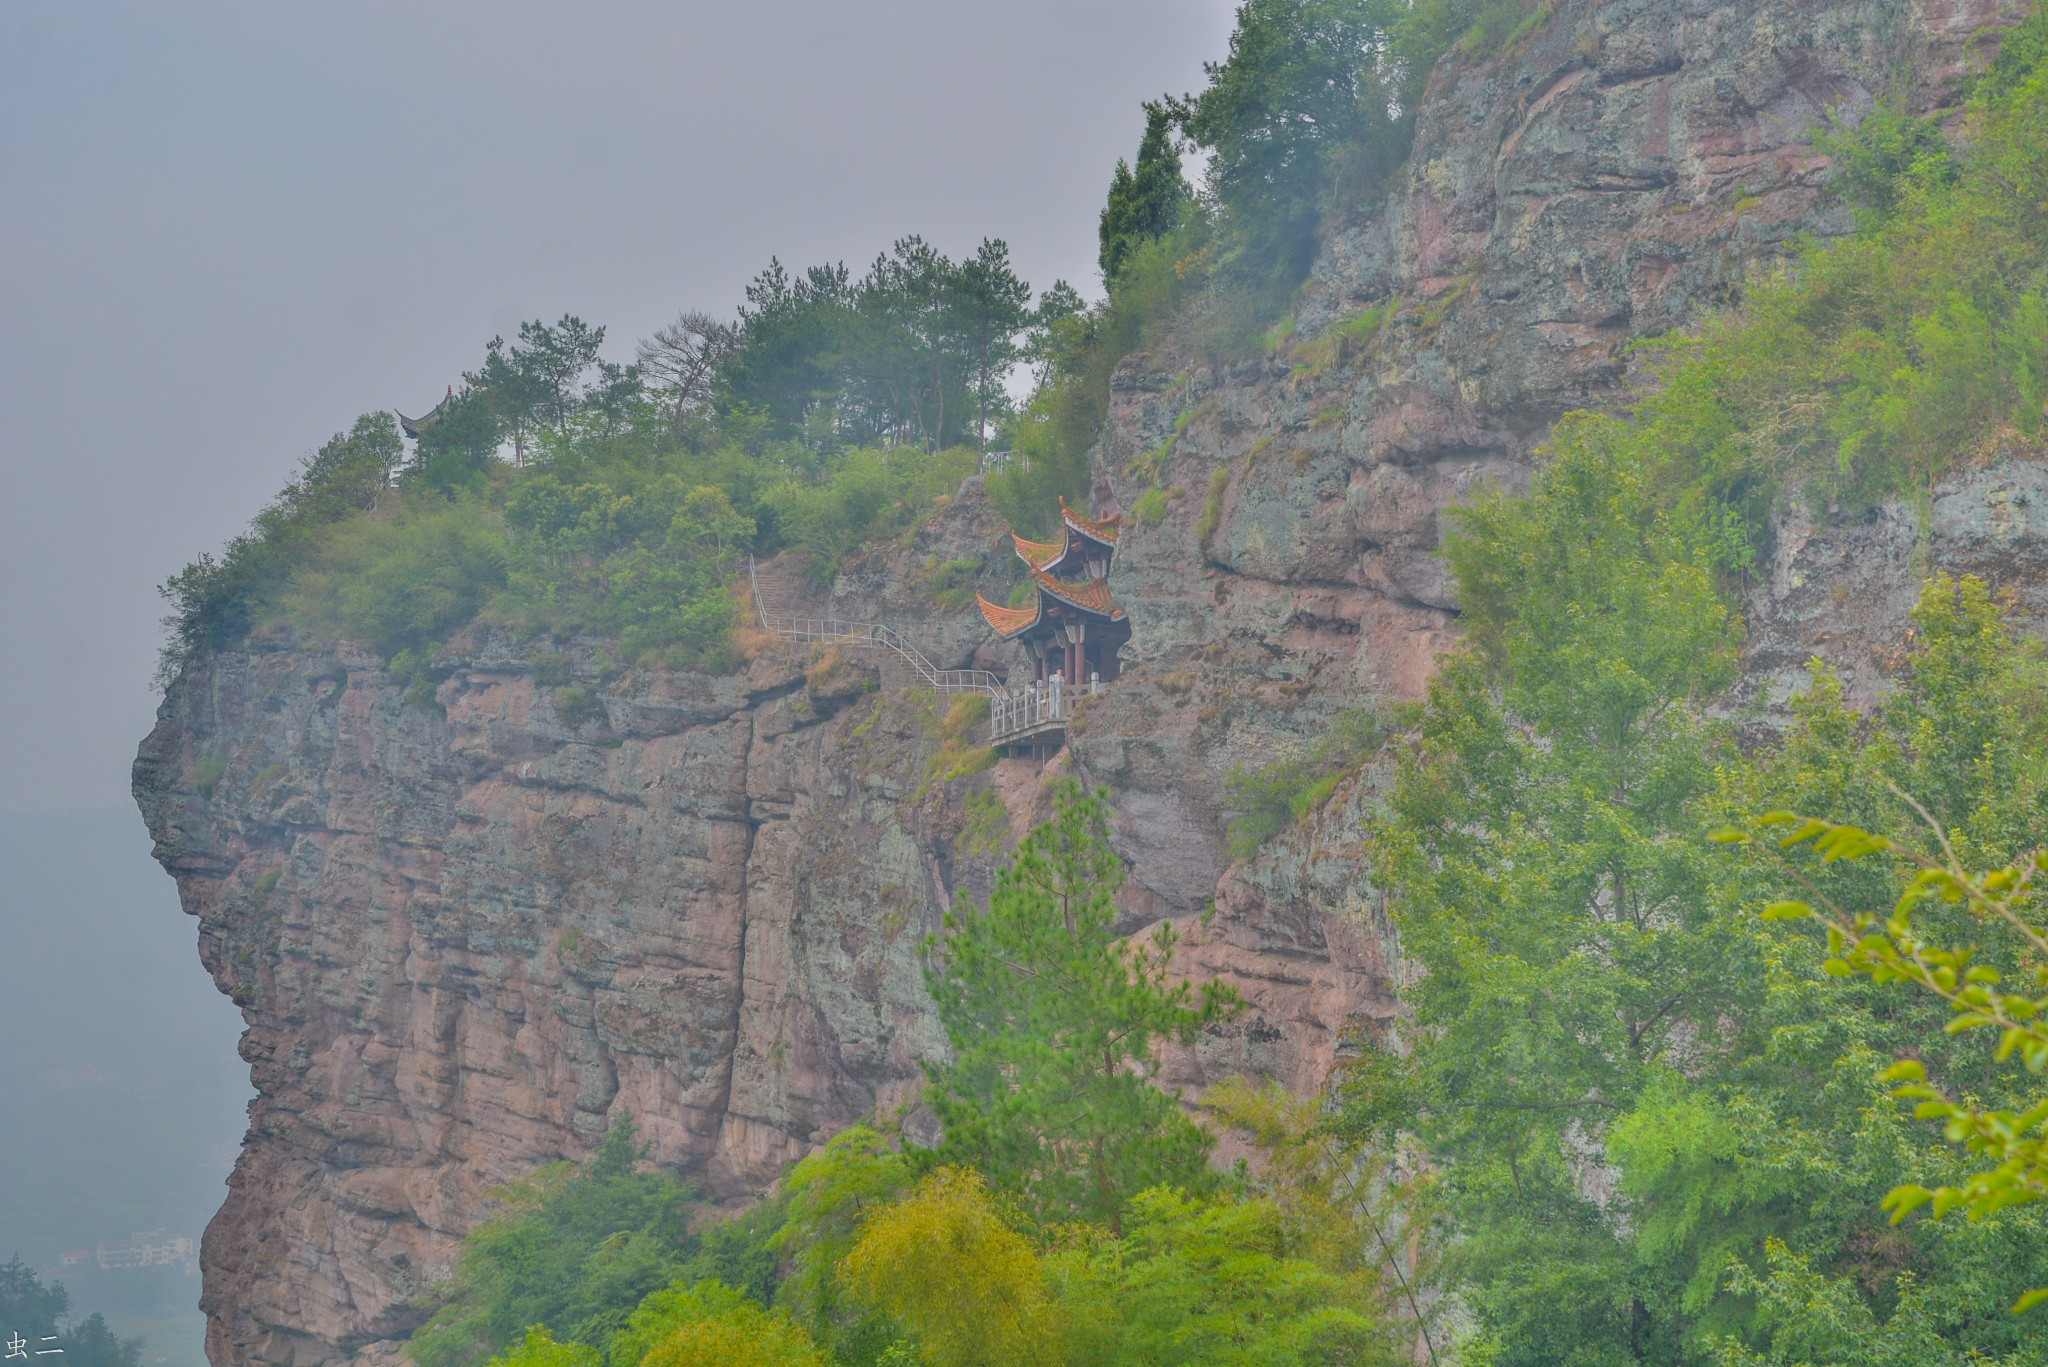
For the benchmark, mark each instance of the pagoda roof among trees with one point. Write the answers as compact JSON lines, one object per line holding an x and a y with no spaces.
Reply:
{"x":412,"y":427}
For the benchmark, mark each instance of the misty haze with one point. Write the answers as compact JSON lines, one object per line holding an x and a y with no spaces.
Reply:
{"x":1289,"y":682}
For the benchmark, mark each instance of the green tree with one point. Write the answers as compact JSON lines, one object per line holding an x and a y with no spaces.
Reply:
{"x":28,"y":1307}
{"x":910,"y":345}
{"x":708,"y":1324}
{"x":1315,"y":98}
{"x":1210,"y":1283}
{"x":945,"y":1264}
{"x":91,"y":1343}
{"x":1346,"y":1205}
{"x":1144,"y":204}
{"x":831,"y":1195}
{"x":514,"y":391}
{"x":557,"y":358}
{"x":1054,"y":1024}
{"x":40,"y":1313}
{"x":784,"y":361}
{"x":1631,"y":1086}
{"x":536,"y":384}
{"x":346,"y":476}
{"x":541,"y":1349}
{"x":457,"y":451}
{"x":215,"y":603}
{"x":574,"y":1253}
{"x":1542,"y":846}
{"x":993,"y":308}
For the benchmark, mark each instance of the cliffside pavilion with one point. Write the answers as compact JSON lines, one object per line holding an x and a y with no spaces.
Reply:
{"x":1071,"y":630}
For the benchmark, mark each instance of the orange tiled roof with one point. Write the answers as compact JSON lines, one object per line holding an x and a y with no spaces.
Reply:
{"x":1092,"y":595}
{"x":1104,"y":532}
{"x":1008,"y":621}
{"x":1037,"y":554}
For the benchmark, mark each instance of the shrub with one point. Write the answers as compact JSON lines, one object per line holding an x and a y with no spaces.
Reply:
{"x":868,"y":494}
{"x":574,"y":706}
{"x":1212,"y":511}
{"x":207,"y":772}
{"x":1265,"y":801}
{"x":400,"y":581}
{"x":1150,"y":508}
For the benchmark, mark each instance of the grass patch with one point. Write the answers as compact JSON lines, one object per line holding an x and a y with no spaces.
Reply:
{"x":207,"y":772}
{"x":1149,"y":465}
{"x":1344,"y":341}
{"x":959,"y":733}
{"x":574,"y":706}
{"x":987,"y":830}
{"x":1212,"y":511}
{"x":1269,"y":799}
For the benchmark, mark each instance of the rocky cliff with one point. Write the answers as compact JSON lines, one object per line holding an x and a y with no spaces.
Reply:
{"x":464,"y":935}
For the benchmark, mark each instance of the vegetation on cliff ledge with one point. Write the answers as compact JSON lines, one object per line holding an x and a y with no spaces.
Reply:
{"x":1631,"y":1118}
{"x":558,"y":493}
{"x":1070,"y":1213}
{"x":1667,"y":1126}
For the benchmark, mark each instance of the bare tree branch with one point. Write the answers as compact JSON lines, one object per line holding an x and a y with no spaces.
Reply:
{"x":683,"y":356}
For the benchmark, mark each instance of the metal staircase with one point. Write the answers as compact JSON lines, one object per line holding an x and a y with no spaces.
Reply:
{"x":870,"y":636}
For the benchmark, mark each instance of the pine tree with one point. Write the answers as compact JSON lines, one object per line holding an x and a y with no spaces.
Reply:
{"x":1053,"y":1022}
{"x":1145,"y":204}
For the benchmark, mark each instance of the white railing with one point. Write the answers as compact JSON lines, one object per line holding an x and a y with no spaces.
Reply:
{"x":871,"y":636}
{"x":1008,"y":713}
{"x":1042,"y":703}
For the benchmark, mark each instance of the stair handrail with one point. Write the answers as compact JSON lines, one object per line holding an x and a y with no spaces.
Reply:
{"x":873,"y":636}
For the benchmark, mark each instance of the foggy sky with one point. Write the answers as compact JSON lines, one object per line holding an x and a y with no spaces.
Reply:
{"x":227,"y":229}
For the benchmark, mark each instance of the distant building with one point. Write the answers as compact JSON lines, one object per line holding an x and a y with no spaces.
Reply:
{"x":73,"y":1257}
{"x":151,"y":1248}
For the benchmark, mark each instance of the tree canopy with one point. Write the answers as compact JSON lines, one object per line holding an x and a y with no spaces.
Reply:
{"x":1055,"y":1024}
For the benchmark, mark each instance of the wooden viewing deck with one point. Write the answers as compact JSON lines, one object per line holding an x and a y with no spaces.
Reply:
{"x":1036,"y":718}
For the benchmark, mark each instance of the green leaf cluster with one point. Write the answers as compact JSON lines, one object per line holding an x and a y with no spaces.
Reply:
{"x":573,"y":1252}
{"x":40,"y":1313}
{"x":1095,"y":1235}
{"x":1265,"y":800}
{"x":1055,"y":1022}
{"x":1634,"y":1086}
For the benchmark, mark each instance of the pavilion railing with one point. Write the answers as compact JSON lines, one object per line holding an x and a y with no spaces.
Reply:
{"x":1013,"y":714}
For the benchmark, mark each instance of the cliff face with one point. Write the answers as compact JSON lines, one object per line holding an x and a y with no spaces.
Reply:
{"x":465,"y":935}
